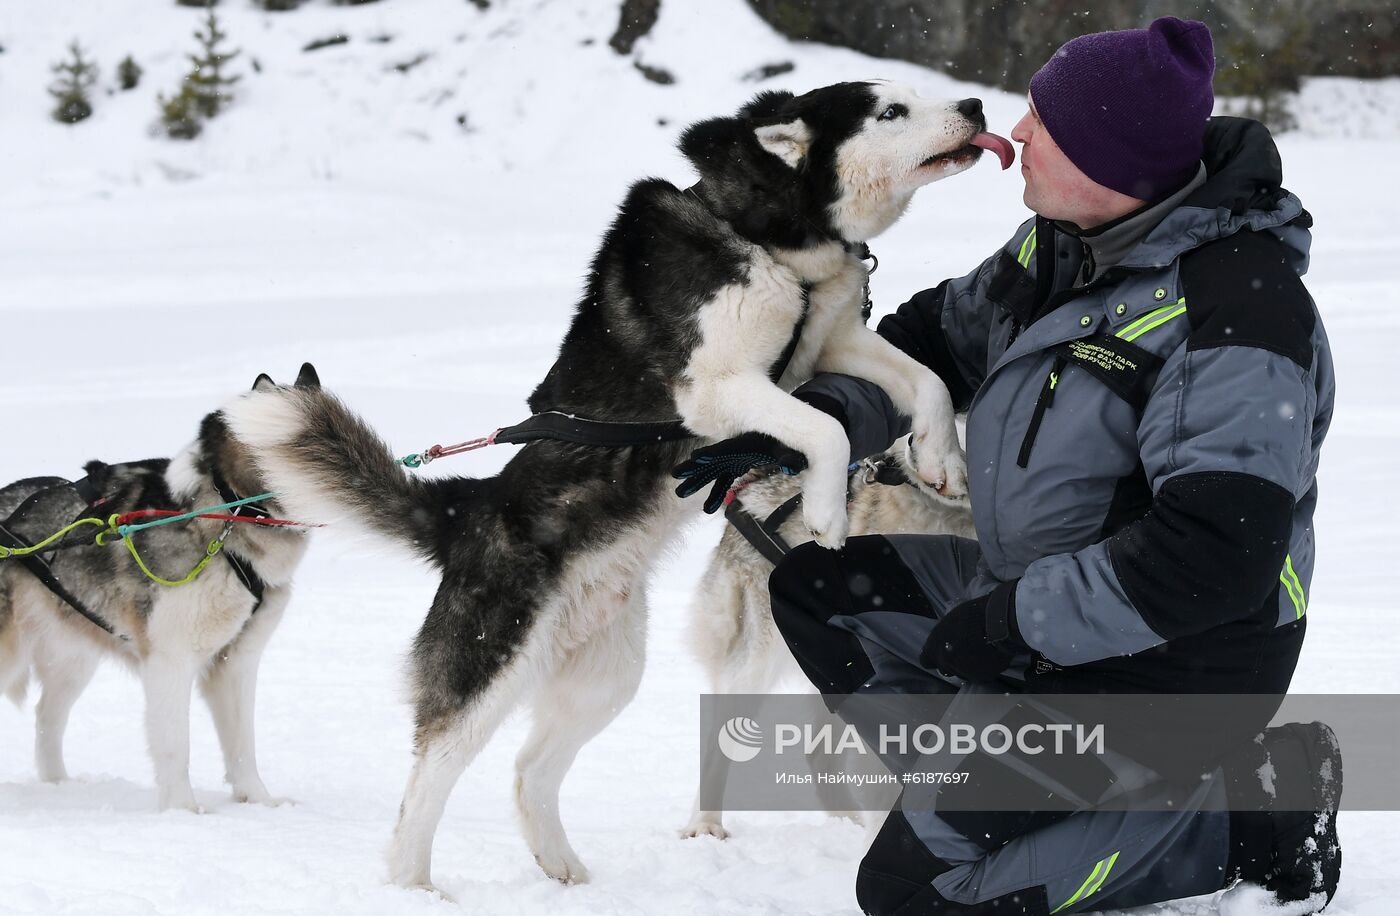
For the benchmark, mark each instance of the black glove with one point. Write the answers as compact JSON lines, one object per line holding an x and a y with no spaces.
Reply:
{"x":727,"y":461}
{"x":978,"y":639}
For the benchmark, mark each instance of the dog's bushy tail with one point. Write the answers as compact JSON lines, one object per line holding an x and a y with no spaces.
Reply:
{"x":327,"y":465}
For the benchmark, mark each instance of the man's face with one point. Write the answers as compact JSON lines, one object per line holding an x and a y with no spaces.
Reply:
{"x":1055,"y":188}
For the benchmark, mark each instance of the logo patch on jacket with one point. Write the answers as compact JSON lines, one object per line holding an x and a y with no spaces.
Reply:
{"x":1125,"y":368}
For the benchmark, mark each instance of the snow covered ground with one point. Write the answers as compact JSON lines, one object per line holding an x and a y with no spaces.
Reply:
{"x":341,"y":213}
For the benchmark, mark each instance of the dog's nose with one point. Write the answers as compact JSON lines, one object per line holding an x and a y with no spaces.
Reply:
{"x":970,"y":108}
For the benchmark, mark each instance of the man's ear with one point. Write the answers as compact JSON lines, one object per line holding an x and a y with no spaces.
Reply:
{"x":788,"y":140}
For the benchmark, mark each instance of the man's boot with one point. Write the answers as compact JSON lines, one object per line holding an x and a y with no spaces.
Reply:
{"x":1284,"y":790}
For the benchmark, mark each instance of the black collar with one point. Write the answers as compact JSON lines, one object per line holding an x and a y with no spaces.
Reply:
{"x":228,"y":495}
{"x":241,"y":567}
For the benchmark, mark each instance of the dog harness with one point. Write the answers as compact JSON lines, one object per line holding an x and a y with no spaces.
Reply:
{"x":557,"y":425}
{"x":763,"y":534}
{"x":38,"y":565}
{"x":92,"y":496}
{"x":241,"y":568}
{"x":566,"y":427}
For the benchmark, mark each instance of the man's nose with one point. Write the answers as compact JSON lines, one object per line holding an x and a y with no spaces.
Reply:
{"x":1021,"y":132}
{"x":970,"y":108}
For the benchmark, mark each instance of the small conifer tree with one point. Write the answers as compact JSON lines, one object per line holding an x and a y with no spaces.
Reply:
{"x":207,"y":81}
{"x":128,"y":73}
{"x":179,"y":117}
{"x":204,"y":92}
{"x":75,"y":76}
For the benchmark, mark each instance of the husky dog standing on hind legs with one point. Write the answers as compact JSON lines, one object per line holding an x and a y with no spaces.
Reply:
{"x":690,"y":312}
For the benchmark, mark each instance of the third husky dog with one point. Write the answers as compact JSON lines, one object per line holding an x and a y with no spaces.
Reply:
{"x":211,"y":630}
{"x":692,"y":299}
{"x":731,"y":627}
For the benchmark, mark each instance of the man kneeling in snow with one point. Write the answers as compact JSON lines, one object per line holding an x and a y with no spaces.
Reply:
{"x":1148,"y":386}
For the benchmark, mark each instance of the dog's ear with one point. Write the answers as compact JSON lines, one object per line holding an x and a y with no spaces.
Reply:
{"x":711,"y":141}
{"x":773,"y":116}
{"x":307,"y":377}
{"x":98,"y":473}
{"x":788,"y":140}
{"x":769,"y":105}
{"x":264,"y":382}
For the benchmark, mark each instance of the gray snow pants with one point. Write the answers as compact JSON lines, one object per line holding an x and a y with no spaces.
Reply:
{"x":855,"y":621}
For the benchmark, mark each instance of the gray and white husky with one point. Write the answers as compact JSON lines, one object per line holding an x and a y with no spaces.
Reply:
{"x":691,"y":301}
{"x":731,"y":629}
{"x":211,"y":631}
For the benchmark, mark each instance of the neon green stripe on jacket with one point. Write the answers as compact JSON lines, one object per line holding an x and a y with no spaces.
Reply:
{"x":1289,"y":578}
{"x":1153,"y":319}
{"x":1091,"y":884}
{"x":1027,"y":250}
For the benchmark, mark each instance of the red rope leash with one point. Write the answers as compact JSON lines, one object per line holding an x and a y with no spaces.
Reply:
{"x":161,"y":513}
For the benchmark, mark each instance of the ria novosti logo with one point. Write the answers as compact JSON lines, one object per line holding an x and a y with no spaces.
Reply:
{"x":740,"y":739}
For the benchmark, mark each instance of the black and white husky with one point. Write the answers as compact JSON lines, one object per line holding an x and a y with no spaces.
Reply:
{"x":692,"y":299}
{"x":211,"y":630}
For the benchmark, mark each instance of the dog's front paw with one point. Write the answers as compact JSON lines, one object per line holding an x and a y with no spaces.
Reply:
{"x":181,"y":801}
{"x":563,"y":867}
{"x":262,"y":797}
{"x":826,"y":517}
{"x":942,"y":471}
{"x":52,"y":774}
{"x":431,"y":890}
{"x":706,"y":824}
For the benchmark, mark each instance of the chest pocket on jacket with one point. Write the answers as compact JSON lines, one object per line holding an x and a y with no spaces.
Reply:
{"x":1124,"y":368}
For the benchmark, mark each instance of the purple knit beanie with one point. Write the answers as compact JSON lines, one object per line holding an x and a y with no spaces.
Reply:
{"x":1129,"y":108}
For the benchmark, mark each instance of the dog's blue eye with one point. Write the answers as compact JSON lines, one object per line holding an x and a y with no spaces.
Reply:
{"x":894,"y":111}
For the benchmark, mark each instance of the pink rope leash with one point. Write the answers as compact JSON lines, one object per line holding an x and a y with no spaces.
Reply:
{"x":434,"y":452}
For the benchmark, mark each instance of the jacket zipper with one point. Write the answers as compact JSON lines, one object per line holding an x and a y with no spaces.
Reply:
{"x":1042,"y":404}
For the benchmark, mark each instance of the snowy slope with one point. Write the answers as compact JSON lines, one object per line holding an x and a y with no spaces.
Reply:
{"x":340,"y":213}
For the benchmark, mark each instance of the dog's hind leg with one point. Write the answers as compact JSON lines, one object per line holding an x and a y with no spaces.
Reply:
{"x":445,"y":743}
{"x":750,"y":660}
{"x":63,"y":675}
{"x":595,"y":680}
{"x":168,"y":680}
{"x":230,"y":689}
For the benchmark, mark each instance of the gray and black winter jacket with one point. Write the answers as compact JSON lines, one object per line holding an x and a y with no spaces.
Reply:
{"x":1142,"y":438}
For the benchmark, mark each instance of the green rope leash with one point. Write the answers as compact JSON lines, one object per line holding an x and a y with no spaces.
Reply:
{"x":7,"y":552}
{"x":209,"y":553}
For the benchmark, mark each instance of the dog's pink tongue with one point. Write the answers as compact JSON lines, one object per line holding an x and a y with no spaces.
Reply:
{"x":999,"y":145}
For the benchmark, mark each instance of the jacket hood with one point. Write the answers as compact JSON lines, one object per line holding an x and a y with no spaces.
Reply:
{"x":1243,"y":190}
